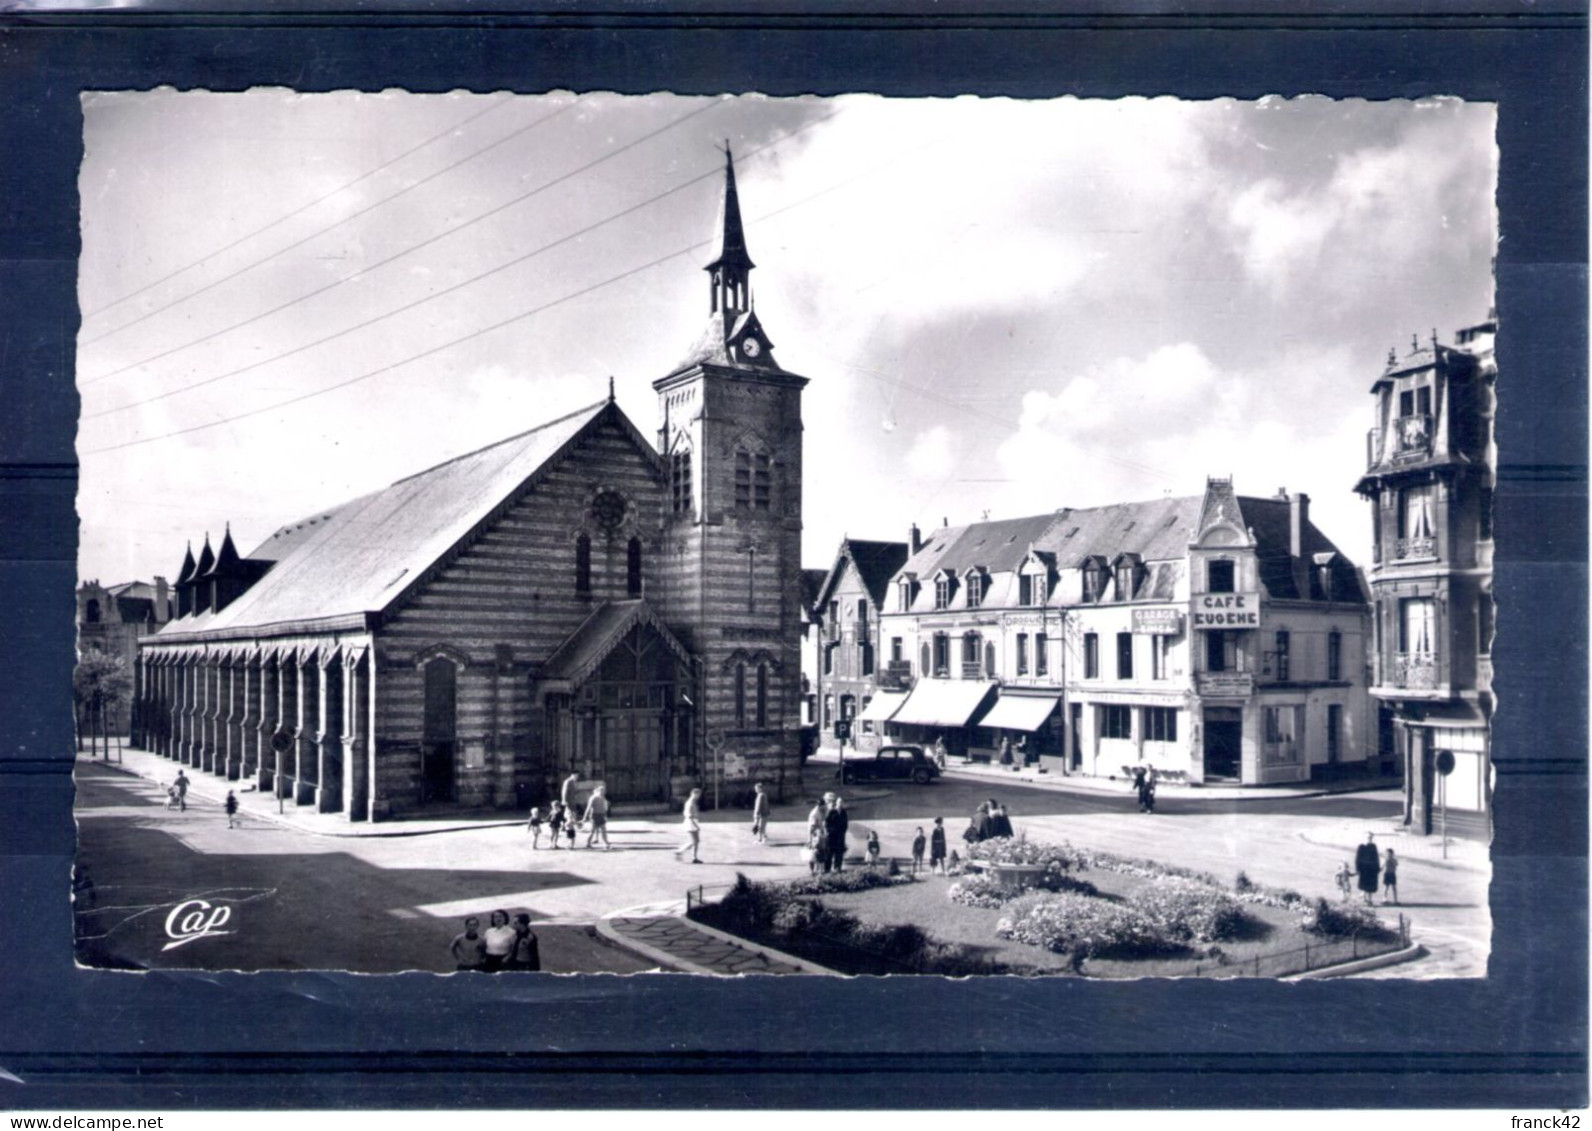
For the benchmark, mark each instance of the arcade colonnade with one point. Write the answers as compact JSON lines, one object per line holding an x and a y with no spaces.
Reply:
{"x":295,"y":717}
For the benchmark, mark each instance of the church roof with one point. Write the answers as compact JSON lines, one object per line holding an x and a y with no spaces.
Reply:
{"x":588,"y":646}
{"x":369,"y":552}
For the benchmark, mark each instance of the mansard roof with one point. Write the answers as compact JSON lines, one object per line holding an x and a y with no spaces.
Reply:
{"x":998,"y":546}
{"x":362,"y":557}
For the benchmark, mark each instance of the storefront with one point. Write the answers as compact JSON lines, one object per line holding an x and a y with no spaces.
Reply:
{"x":942,"y":708}
{"x":1031,"y":722}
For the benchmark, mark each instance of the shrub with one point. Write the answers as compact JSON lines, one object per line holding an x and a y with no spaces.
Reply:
{"x":858,"y":879}
{"x":1066,"y":922}
{"x":1146,"y":869}
{"x":1189,"y":911}
{"x":985,"y":889}
{"x":750,"y":903}
{"x":1341,"y":920}
{"x":1021,"y":850}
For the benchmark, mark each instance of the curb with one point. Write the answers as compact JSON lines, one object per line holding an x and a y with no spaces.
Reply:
{"x":680,"y":965}
{"x":769,"y":952}
{"x":1358,"y":966}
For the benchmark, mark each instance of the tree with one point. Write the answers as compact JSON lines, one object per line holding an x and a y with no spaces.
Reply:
{"x":101,"y":684}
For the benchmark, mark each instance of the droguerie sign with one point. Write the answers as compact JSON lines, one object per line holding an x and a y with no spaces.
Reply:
{"x":1227,"y":610}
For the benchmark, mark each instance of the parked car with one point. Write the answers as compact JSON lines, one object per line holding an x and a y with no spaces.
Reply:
{"x":891,"y":763}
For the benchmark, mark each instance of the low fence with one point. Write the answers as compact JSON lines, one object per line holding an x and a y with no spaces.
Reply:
{"x":1311,"y":956}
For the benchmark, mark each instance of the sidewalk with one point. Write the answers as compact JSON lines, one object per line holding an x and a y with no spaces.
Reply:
{"x":1079,"y":783}
{"x":678,"y":943}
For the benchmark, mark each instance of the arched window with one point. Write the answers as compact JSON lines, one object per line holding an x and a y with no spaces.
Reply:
{"x":583,"y":564}
{"x":633,"y":568}
{"x":740,"y":695}
{"x":762,"y":695}
{"x":91,"y":612}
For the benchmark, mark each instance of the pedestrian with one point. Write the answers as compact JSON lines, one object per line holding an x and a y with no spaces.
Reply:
{"x":534,"y":826}
{"x":571,"y":826}
{"x":1369,"y":864}
{"x":1139,"y":779}
{"x":918,"y":844}
{"x":836,"y":822}
{"x":971,"y":835}
{"x":940,"y":752}
{"x":469,"y":949}
{"x":232,"y":810}
{"x":182,"y":791}
{"x":691,"y":821}
{"x":597,"y":817}
{"x":937,"y":846}
{"x":1006,"y":751}
{"x":1345,"y":880}
{"x":555,"y":822}
{"x":566,"y":793}
{"x":499,"y":941}
{"x":1390,"y":878}
{"x":1000,"y":825}
{"x":818,"y":831}
{"x":816,"y":850}
{"x":760,"y":813}
{"x":527,"y":952}
{"x":1149,"y":790}
{"x":873,"y":848}
{"x":1022,"y":754}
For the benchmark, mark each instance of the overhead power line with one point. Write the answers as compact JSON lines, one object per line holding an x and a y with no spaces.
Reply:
{"x":432,"y":296}
{"x":454,"y":128}
{"x":322,"y":231}
{"x":374,"y":266}
{"x":520,"y":317}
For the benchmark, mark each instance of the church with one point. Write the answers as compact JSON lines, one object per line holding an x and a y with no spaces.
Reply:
{"x":574,"y":598}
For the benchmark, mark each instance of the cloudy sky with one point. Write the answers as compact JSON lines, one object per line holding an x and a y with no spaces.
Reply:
{"x":1004,"y":307}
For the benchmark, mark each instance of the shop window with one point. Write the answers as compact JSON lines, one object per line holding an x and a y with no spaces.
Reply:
{"x":1219,"y":576}
{"x":1284,"y":665}
{"x":1022,"y":653}
{"x":1116,"y":721}
{"x":1160,"y":724}
{"x":1334,"y":655}
{"x":1091,"y":655}
{"x":1124,"y":655}
{"x":1041,"y":654}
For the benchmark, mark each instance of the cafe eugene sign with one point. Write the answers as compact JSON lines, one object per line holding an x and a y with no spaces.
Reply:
{"x":1227,"y":610}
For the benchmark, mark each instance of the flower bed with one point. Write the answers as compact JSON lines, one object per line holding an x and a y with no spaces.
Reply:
{"x":1341,"y":920}
{"x":985,"y":889}
{"x":1186,"y":911}
{"x":1069,"y":923}
{"x":1021,"y":850}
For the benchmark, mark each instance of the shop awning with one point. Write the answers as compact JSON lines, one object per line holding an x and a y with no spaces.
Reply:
{"x":882,"y":706}
{"x":1020,"y":712}
{"x":1457,"y":715}
{"x":942,"y":702}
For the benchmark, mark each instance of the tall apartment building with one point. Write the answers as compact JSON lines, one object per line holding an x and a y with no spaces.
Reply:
{"x":1431,"y":461}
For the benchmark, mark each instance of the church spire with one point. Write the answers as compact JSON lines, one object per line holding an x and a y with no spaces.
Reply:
{"x":730,"y":272}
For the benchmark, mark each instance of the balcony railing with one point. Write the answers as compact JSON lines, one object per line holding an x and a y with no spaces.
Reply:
{"x":1415,"y":671}
{"x":1408,"y":438}
{"x":1423,"y":547}
{"x":896,"y":676}
{"x":972,"y":671}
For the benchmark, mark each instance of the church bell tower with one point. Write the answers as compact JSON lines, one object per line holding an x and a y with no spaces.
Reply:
{"x":731,"y":435}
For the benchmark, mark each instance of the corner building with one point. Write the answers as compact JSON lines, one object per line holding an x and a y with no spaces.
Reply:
{"x":570,"y":599}
{"x":1214,"y":637}
{"x":1431,"y":464}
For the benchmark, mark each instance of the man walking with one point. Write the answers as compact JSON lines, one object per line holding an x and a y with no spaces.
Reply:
{"x":232,"y":810}
{"x":566,"y":794}
{"x":693,"y":826}
{"x":760,"y":813}
{"x":835,"y":824}
{"x":1368,"y":862}
{"x":182,"y":791}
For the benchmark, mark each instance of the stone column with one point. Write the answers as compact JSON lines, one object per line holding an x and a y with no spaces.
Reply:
{"x":189,"y":674}
{"x":249,"y":722}
{"x":287,"y":721}
{"x":356,"y":735}
{"x":163,"y":706}
{"x":270,"y":719}
{"x":215,"y":714}
{"x":329,"y":739}
{"x":304,"y":748}
{"x":232,"y":720}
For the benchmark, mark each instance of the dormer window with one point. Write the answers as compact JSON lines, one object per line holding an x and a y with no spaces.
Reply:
{"x":1127,"y":576}
{"x":942,"y":591}
{"x":1094,"y":578}
{"x":975,"y":589}
{"x":909,"y":593}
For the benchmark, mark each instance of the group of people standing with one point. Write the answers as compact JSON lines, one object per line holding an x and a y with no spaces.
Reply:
{"x":504,"y":945}
{"x":562,"y":821}
{"x":1374,"y":870}
{"x":989,"y":820}
{"x":1144,"y":786}
{"x":827,"y":823}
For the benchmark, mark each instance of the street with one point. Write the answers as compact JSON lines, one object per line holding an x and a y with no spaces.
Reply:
{"x":299,"y":899}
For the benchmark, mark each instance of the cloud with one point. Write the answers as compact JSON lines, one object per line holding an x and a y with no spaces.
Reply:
{"x":933,"y":454}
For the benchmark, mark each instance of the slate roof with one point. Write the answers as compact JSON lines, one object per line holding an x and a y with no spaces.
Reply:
{"x":812,"y":582}
{"x":370,"y":551}
{"x":588,"y":646}
{"x":876,"y":564}
{"x":998,"y":547}
{"x":1270,"y":520}
{"x":1156,"y":530}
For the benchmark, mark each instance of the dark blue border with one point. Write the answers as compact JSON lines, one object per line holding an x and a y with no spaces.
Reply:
{"x":84,"y":1040}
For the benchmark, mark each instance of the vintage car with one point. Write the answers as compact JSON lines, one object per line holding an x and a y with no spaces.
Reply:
{"x":891,"y":763}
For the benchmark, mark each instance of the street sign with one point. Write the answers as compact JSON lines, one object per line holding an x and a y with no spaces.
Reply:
{"x":735,"y":766}
{"x":1445,"y":762}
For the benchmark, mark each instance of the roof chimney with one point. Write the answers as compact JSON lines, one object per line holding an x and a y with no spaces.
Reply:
{"x":915,"y":538}
{"x":1298,"y":520}
{"x":162,"y":601}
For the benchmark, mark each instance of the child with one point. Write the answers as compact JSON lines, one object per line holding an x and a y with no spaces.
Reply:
{"x":873,"y":848}
{"x":1345,"y":881}
{"x":570,"y":825}
{"x":171,"y":797}
{"x":232,"y":810}
{"x":918,"y":844}
{"x":469,"y":949}
{"x":555,"y":822}
{"x":937,"y":847}
{"x":534,"y":826}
